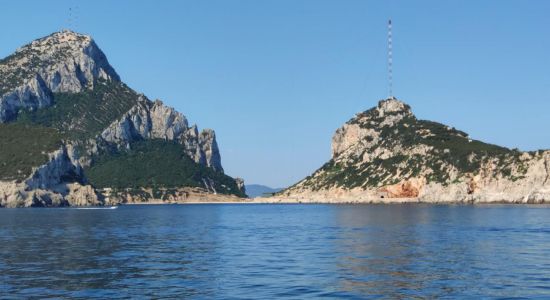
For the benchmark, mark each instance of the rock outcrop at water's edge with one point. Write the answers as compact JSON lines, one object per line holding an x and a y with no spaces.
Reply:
{"x":56,"y":183}
{"x":165,"y":196}
{"x":387,"y":155}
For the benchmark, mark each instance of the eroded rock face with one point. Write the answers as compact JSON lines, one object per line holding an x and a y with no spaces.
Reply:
{"x":209,"y":146}
{"x":386,"y":154}
{"x":166,"y":122}
{"x":62,"y":62}
{"x":154,"y":120}
{"x":34,"y":94}
{"x":58,"y":182}
{"x":361,"y":132}
{"x":241,"y":185}
{"x":82,"y":195}
{"x":62,"y":166}
{"x":347,"y":136}
{"x":410,"y":188}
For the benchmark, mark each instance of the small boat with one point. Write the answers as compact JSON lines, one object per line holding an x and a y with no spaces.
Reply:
{"x":98,"y":207}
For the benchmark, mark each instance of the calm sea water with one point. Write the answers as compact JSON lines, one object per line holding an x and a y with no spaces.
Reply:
{"x":269,"y":251}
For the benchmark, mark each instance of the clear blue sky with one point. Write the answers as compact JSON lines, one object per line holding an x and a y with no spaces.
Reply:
{"x":276,"y":78}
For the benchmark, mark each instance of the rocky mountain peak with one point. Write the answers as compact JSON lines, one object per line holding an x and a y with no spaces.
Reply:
{"x":54,"y":52}
{"x":387,"y":113}
{"x":65,"y":39}
{"x":392,"y":106}
{"x":64,"y":61}
{"x":366,"y":127}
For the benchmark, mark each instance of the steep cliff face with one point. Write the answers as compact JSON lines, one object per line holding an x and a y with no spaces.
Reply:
{"x":154,"y":120}
{"x":61,"y":92}
{"x":386,"y":154}
{"x":55,"y":183}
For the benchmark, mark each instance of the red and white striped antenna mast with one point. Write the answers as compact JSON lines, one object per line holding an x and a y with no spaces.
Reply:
{"x":390,"y":60}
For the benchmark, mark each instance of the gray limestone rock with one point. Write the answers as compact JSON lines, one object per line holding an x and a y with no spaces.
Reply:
{"x":62,"y":62}
{"x":154,"y":120}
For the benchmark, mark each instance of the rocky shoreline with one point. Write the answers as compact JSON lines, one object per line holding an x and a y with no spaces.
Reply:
{"x":349,"y":200}
{"x":164,"y":196}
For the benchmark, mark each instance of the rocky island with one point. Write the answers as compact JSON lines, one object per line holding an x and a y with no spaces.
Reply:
{"x":387,"y":155}
{"x":72,"y":133}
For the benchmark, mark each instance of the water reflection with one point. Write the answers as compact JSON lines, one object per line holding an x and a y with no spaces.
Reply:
{"x":267,"y":251}
{"x":433,"y":251}
{"x":385,"y":249}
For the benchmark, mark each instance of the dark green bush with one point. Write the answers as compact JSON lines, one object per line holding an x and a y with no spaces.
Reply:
{"x":23,"y":147}
{"x":85,"y":114}
{"x":155,"y":164}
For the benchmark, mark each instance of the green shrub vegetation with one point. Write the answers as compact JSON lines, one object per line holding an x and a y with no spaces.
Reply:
{"x":16,"y":70}
{"x":27,"y":141}
{"x":85,"y":114}
{"x":23,"y":147}
{"x":155,"y":164}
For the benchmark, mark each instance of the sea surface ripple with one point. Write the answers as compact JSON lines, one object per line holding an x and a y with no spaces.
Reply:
{"x":276,"y":251}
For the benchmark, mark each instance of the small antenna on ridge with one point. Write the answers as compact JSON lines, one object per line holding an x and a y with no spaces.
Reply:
{"x":76,"y":12}
{"x":390,"y":60}
{"x":72,"y":20}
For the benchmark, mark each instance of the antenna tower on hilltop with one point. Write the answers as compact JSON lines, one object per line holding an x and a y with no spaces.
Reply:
{"x":72,"y":19}
{"x":390,"y":60}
